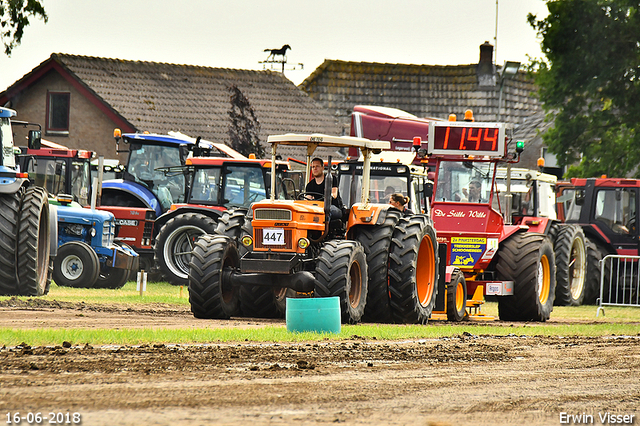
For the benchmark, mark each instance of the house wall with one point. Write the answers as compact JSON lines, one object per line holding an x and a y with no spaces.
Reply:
{"x":89,"y":128}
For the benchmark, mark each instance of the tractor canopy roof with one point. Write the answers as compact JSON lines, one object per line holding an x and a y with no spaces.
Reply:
{"x":316,"y":140}
{"x":7,"y":113}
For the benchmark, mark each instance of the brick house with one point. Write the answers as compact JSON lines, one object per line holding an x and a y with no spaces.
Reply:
{"x":79,"y":100}
{"x":434,"y":91}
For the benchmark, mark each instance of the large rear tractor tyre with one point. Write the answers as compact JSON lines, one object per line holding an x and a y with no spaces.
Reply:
{"x":210,"y":295}
{"x":33,"y":249}
{"x":76,"y":265}
{"x":255,"y":301}
{"x":9,"y":213}
{"x":528,"y":260}
{"x":571,"y":266}
{"x":113,"y":278}
{"x":341,"y":271}
{"x":175,"y":242}
{"x":457,"y":297}
{"x":413,"y":270}
{"x":376,"y":241}
{"x":592,"y":282}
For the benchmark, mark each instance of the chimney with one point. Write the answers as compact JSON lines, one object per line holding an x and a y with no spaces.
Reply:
{"x":486,"y":70}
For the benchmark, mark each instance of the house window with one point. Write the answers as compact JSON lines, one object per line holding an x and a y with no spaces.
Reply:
{"x":58,"y":113}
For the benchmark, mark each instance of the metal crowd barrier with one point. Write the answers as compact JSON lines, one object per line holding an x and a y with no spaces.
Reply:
{"x":619,"y":282}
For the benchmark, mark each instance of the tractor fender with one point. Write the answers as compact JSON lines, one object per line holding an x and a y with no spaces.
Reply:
{"x":139,"y":191}
{"x":53,"y":230}
{"x":509,"y":230}
{"x":214,"y":212}
{"x":370,"y":214}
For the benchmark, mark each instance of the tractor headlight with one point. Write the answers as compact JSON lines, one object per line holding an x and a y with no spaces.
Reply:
{"x":246,"y":241}
{"x":303,"y":243}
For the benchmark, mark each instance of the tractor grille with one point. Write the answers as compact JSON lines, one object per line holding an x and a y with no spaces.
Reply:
{"x":272,"y":214}
{"x":288,"y":244}
{"x":148,"y":228}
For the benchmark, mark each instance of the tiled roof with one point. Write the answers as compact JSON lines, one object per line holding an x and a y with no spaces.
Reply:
{"x":194,"y":100}
{"x":423,"y":90}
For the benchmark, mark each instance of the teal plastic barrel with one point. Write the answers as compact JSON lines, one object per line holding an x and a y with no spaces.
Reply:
{"x":319,"y":315}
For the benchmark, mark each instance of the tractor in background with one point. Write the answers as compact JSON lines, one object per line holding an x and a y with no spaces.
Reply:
{"x":214,"y":185}
{"x":298,"y":247}
{"x":89,"y":255}
{"x":606,"y":209}
{"x":28,"y":234}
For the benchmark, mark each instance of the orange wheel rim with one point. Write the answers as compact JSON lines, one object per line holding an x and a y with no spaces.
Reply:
{"x":355,"y":290}
{"x":460,"y":297}
{"x":425,"y":271}
{"x":544,"y":279}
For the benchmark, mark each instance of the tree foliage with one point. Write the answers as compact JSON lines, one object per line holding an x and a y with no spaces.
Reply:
{"x":14,"y":17}
{"x":244,"y":128}
{"x":589,"y":84}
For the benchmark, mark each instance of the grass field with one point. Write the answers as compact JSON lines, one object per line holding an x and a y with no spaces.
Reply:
{"x":565,"y":321}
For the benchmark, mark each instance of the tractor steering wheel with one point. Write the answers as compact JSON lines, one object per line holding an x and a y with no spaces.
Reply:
{"x":316,"y":196}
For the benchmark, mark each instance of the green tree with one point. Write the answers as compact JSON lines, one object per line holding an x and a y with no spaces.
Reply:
{"x":589,"y":84}
{"x":14,"y":17}
{"x":244,"y":127}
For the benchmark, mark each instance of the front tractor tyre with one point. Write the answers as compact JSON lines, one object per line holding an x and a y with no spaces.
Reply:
{"x":210,"y":294}
{"x":376,"y":241}
{"x":413,"y":270}
{"x":341,"y":271}
{"x":528,"y":260}
{"x":112,"y":278}
{"x":571,"y":266}
{"x":456,"y":297}
{"x":76,"y":265}
{"x":33,"y":249}
{"x":175,"y":243}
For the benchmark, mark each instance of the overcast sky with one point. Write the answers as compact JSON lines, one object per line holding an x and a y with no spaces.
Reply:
{"x":234,"y":34}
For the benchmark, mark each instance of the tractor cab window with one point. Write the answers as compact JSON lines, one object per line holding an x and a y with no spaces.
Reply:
{"x":617,"y":209}
{"x":380,"y":188}
{"x":206,"y":186}
{"x":48,"y":173}
{"x":6,"y":138}
{"x":464,"y":181}
{"x":81,"y":182}
{"x":285,"y":189}
{"x":145,"y":166}
{"x":243,"y":186}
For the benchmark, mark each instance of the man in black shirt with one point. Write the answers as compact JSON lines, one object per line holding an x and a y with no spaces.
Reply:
{"x":315,"y":188}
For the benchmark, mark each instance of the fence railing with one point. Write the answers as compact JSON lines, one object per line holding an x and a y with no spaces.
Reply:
{"x":619,"y":281}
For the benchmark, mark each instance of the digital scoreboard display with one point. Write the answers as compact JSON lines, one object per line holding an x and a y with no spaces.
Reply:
{"x":466,"y":138}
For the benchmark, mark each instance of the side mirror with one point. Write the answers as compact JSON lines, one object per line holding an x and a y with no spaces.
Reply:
{"x":428,"y":189}
{"x":35,"y":139}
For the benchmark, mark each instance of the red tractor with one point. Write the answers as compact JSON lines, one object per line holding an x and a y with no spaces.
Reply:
{"x":485,"y":254}
{"x":214,"y":185}
{"x":606,"y":209}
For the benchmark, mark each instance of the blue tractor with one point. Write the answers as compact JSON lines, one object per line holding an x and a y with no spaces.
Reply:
{"x":87,"y":255}
{"x":143,"y":182}
{"x":27,"y":236}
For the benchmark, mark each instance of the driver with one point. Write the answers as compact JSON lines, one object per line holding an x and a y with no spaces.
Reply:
{"x":315,"y":188}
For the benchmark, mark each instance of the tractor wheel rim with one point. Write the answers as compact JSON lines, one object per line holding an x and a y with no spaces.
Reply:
{"x":577,"y":269}
{"x":178,"y":247}
{"x":425,"y":271}
{"x":543,"y":279}
{"x":71,"y":267}
{"x":355,"y":287}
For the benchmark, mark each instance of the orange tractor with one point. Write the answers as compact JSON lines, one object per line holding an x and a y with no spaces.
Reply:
{"x":293,"y":248}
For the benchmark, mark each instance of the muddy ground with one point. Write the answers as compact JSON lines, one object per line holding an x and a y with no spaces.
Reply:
{"x":465,"y":380}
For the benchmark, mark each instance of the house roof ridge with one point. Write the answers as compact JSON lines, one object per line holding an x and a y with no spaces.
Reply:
{"x":62,"y":56}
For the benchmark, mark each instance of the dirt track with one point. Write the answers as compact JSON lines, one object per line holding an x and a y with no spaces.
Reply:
{"x":466,"y":380}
